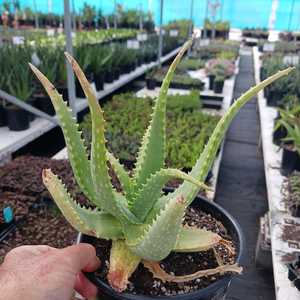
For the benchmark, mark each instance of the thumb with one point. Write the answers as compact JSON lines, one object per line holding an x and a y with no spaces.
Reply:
{"x":82,"y":257}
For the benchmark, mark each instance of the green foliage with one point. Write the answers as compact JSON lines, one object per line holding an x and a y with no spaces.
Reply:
{"x":188,"y":128}
{"x":190,"y":64}
{"x":181,"y":25}
{"x":220,"y":67}
{"x":218,"y":25}
{"x":180,"y":79}
{"x":16,"y":76}
{"x":88,"y":13}
{"x":290,"y":119}
{"x":215,"y":48}
{"x":285,"y":86}
{"x":227,"y":55}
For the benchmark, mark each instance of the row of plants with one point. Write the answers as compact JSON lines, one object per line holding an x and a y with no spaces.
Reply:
{"x":258,"y":33}
{"x":284,"y":94}
{"x":216,"y":49}
{"x":288,"y":36}
{"x":279,"y":93}
{"x":218,"y":64}
{"x":217,"y":29}
{"x":85,"y":37}
{"x":102,"y":64}
{"x":181,"y":80}
{"x":188,"y":128}
{"x":88,"y":16}
{"x":286,"y":135}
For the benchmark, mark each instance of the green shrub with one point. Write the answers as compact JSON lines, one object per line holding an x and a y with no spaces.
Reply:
{"x":190,"y":64}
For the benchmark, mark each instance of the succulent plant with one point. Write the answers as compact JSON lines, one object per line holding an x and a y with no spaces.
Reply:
{"x":144,"y":225}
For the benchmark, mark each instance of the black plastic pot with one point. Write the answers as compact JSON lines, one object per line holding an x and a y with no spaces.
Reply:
{"x":99,"y":81}
{"x":216,"y":290}
{"x":64,"y":92}
{"x":78,"y":90}
{"x":218,"y":86}
{"x":290,"y":161}
{"x":279,"y":134}
{"x":117,"y":73}
{"x":31,"y":115}
{"x":273,"y":98}
{"x":44,"y":104}
{"x":109,"y":77}
{"x":211,"y":81}
{"x":150,"y":83}
{"x":2,"y":116}
{"x":17,"y":118}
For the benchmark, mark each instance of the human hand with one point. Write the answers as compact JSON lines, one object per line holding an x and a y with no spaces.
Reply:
{"x":46,"y":273}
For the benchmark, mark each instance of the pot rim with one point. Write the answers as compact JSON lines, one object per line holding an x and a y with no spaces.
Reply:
{"x":205,"y":291}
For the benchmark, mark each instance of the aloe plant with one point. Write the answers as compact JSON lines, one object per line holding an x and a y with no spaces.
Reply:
{"x":144,"y":226}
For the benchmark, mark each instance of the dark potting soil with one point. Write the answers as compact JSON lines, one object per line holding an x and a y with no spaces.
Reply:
{"x":142,"y":281}
{"x":19,"y":203}
{"x":42,"y":227}
{"x":23,"y":176}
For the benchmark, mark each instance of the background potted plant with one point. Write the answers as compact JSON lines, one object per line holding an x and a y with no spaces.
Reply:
{"x":289,"y":119}
{"x":17,"y":118}
{"x":2,"y":114}
{"x":219,"y":84}
{"x":143,"y":225}
{"x":48,"y":64}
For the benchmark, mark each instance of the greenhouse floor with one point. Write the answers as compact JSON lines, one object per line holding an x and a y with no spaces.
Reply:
{"x":242,"y":189}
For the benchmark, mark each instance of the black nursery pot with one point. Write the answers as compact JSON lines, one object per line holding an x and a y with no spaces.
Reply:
{"x":290,"y":161}
{"x":2,"y":116}
{"x":99,"y":82}
{"x":109,"y":77}
{"x":64,"y":92}
{"x":150,"y":83}
{"x":44,"y":104}
{"x":218,"y":87}
{"x":211,"y":81}
{"x":31,"y":116}
{"x":117,"y":73}
{"x":273,"y":98}
{"x":279,"y":134}
{"x":17,"y":118}
{"x":216,"y":290}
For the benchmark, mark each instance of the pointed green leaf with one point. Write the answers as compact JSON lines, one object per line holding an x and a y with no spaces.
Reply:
{"x":76,"y":150}
{"x":87,"y":221}
{"x":192,"y":239}
{"x":98,"y":164}
{"x":151,"y":156}
{"x":150,"y":192}
{"x":107,"y":199}
{"x":155,"y":241}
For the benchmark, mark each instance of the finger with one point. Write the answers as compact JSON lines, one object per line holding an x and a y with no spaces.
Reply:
{"x":82,"y":257}
{"x":84,"y":287}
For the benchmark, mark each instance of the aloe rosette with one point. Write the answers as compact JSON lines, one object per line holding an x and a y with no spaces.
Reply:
{"x":144,"y":225}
